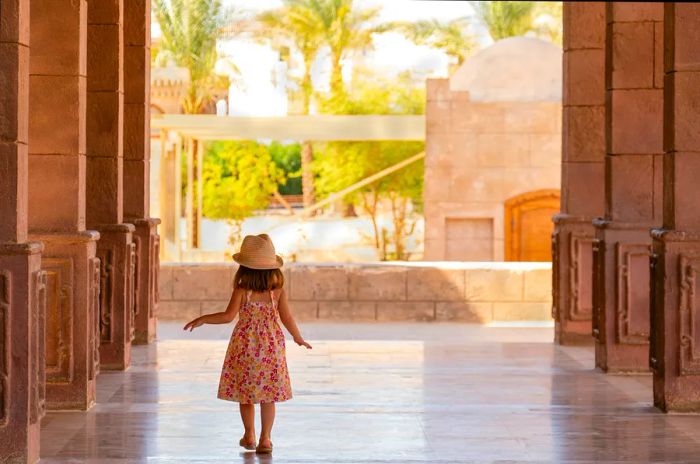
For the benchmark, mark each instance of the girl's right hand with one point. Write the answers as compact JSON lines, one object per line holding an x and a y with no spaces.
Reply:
{"x":193,"y":324}
{"x":301,"y":342}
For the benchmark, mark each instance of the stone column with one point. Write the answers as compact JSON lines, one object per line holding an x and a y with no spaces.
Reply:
{"x":633,"y":169}
{"x":675,"y":353}
{"x":22,"y":296}
{"x":583,"y":156}
{"x":105,"y":170}
{"x":57,"y":99}
{"x":137,"y":143}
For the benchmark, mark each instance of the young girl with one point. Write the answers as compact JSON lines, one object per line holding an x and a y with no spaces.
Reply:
{"x":255,"y":368}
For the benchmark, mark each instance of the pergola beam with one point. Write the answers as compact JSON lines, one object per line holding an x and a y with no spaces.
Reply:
{"x":319,"y":128}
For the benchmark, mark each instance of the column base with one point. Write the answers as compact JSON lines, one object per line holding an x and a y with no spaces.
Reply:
{"x":116,"y":251}
{"x":675,"y":353}
{"x":621,"y":323}
{"x":72,"y":338}
{"x":22,"y":363}
{"x":147,"y":243}
{"x":572,"y":288}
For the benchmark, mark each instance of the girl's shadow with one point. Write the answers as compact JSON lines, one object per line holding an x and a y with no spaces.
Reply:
{"x":251,"y":457}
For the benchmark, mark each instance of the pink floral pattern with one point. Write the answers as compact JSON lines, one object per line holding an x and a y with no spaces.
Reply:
{"x":255,"y":367}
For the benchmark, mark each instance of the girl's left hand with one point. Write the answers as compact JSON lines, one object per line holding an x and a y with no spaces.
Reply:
{"x":193,"y":324}
{"x":301,"y":342}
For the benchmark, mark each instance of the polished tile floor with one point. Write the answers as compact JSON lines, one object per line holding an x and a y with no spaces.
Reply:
{"x":389,"y":393}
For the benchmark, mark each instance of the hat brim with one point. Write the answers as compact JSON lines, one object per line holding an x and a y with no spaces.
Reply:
{"x":279,"y":262}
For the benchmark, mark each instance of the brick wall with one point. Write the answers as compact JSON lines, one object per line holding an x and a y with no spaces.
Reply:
{"x":467,"y":292}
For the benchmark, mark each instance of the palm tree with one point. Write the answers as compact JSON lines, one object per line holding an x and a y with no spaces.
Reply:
{"x":295,"y":24}
{"x":190,"y":31}
{"x":506,"y":19}
{"x":344,"y":30}
{"x":451,"y":36}
{"x":349,"y":31}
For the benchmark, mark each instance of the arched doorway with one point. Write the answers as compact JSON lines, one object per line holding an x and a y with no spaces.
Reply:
{"x":528,"y":225}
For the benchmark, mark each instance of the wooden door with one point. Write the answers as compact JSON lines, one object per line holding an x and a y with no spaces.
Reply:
{"x":528,"y":223}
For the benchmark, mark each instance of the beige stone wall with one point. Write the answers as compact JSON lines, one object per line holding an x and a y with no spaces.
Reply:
{"x":466,"y":292}
{"x":478,"y":155}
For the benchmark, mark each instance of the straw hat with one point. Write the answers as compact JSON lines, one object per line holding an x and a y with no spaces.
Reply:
{"x":258,"y":252}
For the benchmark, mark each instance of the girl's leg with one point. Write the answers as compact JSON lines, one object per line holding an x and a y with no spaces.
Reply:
{"x":267,"y":416}
{"x":248,"y":418}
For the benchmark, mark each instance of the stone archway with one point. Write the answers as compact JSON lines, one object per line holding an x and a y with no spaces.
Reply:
{"x":528,"y":225}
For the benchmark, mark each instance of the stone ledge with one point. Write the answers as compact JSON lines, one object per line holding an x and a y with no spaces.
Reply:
{"x":465,"y":292}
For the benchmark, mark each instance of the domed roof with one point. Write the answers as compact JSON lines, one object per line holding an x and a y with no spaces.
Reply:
{"x":512,"y":69}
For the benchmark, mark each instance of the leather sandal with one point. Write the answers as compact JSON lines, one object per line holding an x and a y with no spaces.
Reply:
{"x":247,"y":445}
{"x":264,"y":449}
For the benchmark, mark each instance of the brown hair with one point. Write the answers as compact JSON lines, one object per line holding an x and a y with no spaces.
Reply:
{"x":258,"y":280}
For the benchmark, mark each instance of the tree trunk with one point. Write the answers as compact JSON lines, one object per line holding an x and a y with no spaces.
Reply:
{"x":370,"y":207}
{"x":337,"y":84}
{"x":307,"y":175}
{"x":307,"y":152}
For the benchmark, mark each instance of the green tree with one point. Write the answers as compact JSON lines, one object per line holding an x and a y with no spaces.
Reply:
{"x":453,"y":37}
{"x":341,"y":164}
{"x":190,"y":31}
{"x":506,"y":19}
{"x":288,"y":159}
{"x":238,"y":179}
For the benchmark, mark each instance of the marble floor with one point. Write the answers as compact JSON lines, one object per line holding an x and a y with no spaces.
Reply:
{"x":387,"y":393}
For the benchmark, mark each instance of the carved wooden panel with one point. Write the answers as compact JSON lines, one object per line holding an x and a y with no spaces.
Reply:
{"x":131,"y":298}
{"x":106,"y":257}
{"x":5,"y":304}
{"x":59,"y":319}
{"x":37,"y":407}
{"x":94,"y":314}
{"x":580,"y":277}
{"x":632,"y":293}
{"x":689,"y":313}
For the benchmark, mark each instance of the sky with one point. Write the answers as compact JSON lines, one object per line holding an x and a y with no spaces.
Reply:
{"x":254,"y":92}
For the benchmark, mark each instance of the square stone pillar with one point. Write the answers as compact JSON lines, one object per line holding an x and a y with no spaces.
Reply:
{"x":57,"y":119}
{"x":22,"y":283}
{"x":146,"y":261}
{"x":633,"y":174}
{"x":675,"y":351}
{"x":137,"y":143}
{"x":583,"y":156}
{"x":22,"y":365}
{"x":105,"y":181}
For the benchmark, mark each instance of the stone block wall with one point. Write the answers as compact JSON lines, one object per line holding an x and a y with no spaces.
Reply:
{"x":478,"y":156}
{"x":465,"y":292}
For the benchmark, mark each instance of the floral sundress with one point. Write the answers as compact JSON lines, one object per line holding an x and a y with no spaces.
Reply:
{"x":255,"y":367}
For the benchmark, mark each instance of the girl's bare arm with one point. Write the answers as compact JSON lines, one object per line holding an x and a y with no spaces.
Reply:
{"x":288,"y":320}
{"x":223,"y":317}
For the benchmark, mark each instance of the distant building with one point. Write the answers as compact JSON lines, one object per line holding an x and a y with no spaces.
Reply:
{"x":493,"y":155}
